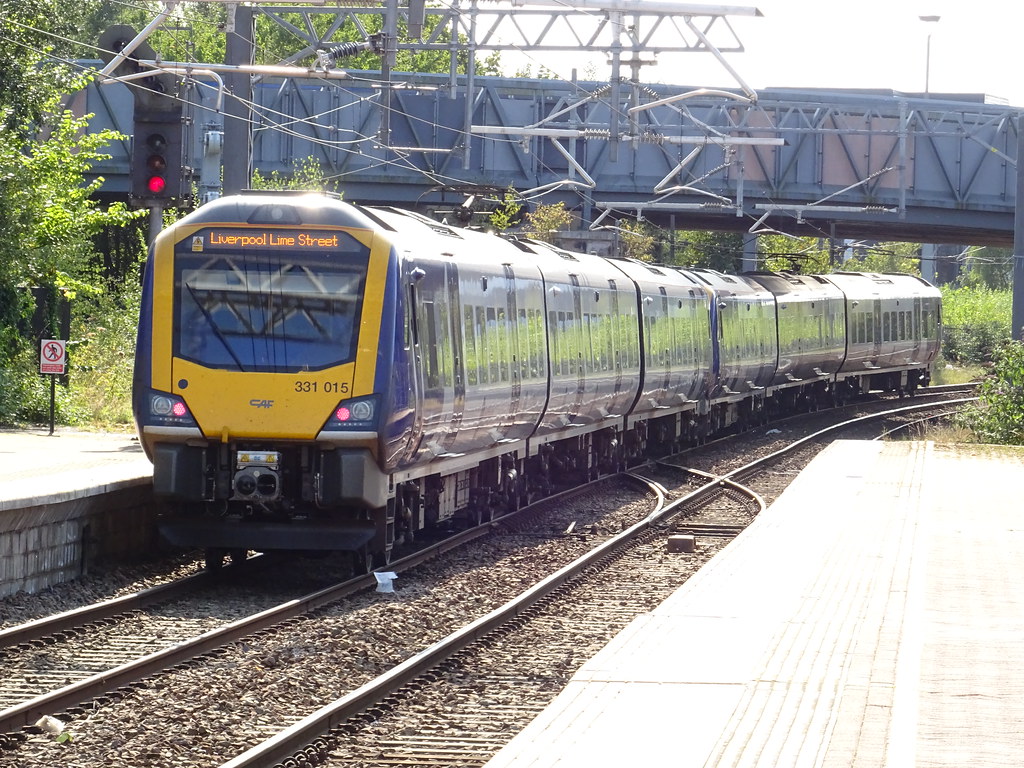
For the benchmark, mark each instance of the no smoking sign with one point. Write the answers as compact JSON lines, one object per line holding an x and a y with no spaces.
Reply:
{"x":53,"y":356}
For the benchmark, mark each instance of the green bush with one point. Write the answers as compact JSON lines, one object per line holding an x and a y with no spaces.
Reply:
{"x":976,"y":322}
{"x":25,"y":394}
{"x":998,"y":416}
{"x":102,"y":356}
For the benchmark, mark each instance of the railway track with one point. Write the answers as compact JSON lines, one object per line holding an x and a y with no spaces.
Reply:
{"x":596,"y":625}
{"x":453,"y":702}
{"x":269,"y":644}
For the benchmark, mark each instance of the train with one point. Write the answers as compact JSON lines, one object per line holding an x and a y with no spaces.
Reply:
{"x":316,"y":375}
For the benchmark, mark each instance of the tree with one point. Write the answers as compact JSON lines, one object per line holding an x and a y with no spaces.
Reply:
{"x":639,"y":239}
{"x":47,"y":213}
{"x":987,"y":267}
{"x":194,"y":33}
{"x":308,"y":175}
{"x":711,"y":250}
{"x":546,"y":221}
{"x":509,"y":213}
{"x":803,"y":255}
{"x":886,"y":257}
{"x":28,"y":76}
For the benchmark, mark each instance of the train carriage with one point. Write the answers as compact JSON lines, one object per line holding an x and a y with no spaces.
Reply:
{"x":259,"y":384}
{"x":477,"y":355}
{"x":677,"y":353}
{"x":743,"y":324}
{"x":593,"y":338}
{"x":811,"y":330}
{"x":894,"y":326}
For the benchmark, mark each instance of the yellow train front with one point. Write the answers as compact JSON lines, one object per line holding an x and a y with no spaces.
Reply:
{"x":266,"y":351}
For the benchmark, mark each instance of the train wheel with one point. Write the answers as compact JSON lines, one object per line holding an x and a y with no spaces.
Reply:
{"x":381,"y":559}
{"x":214,"y":559}
{"x":362,"y":561}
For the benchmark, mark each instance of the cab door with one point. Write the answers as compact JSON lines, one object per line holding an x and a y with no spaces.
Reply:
{"x":437,"y":350}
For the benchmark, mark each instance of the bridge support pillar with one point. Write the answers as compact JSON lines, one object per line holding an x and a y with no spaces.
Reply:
{"x":1017,"y":314}
{"x":749,"y":252}
{"x":237,"y":151}
{"x":929,"y":253}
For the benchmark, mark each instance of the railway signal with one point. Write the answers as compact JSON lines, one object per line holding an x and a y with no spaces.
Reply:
{"x":157,"y":169}
{"x":156,"y":156}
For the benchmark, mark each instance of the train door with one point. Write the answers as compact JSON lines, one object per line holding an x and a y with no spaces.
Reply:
{"x":717,"y":334}
{"x":515,"y":349}
{"x":668,"y":347}
{"x":876,"y":349}
{"x":436,"y":338}
{"x":454,"y":329}
{"x":576,"y":354}
{"x":412,"y":346}
{"x":613,"y":334}
{"x":914,"y":331}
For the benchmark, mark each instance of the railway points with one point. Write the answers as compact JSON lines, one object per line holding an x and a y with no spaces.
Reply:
{"x":867,"y":618}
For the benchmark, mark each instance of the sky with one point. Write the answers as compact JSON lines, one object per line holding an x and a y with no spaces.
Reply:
{"x":977,"y":46}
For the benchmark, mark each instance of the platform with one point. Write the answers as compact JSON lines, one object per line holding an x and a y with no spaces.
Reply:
{"x":67,"y":499}
{"x":37,"y":467}
{"x":873,"y":616}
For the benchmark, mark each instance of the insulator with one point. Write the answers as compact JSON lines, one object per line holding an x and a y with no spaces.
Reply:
{"x":348,"y":49}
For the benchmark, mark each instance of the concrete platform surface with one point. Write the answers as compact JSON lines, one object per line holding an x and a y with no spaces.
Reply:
{"x":873,"y":616}
{"x":36,"y":467}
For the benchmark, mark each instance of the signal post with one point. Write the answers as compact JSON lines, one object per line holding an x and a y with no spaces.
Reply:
{"x":158,"y":175}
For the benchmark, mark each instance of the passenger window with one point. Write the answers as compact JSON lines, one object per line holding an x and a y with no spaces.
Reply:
{"x":500,"y":347}
{"x":522,"y":336}
{"x":572,"y":338}
{"x":556,"y":343}
{"x":432,"y":372}
{"x":483,"y":341}
{"x":470,"y":355}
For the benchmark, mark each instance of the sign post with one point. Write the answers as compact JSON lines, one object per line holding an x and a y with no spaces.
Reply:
{"x":53,"y":362}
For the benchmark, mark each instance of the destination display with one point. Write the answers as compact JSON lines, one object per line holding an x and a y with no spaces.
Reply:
{"x":265,"y":239}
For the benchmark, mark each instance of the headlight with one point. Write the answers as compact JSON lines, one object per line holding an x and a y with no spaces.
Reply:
{"x":169,"y":410}
{"x":356,"y":414}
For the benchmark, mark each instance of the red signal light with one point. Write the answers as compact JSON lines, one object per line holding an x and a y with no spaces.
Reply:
{"x":157,"y":164}
{"x":343,"y":414}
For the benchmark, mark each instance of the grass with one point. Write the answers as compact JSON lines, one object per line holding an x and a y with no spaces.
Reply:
{"x":957,"y":373}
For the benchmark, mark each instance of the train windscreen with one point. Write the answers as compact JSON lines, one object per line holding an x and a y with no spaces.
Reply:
{"x":275,"y":300}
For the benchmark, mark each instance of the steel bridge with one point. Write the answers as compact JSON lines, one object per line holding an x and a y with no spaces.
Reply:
{"x":842,"y":164}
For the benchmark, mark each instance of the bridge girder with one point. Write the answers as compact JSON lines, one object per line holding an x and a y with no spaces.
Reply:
{"x":874,"y":164}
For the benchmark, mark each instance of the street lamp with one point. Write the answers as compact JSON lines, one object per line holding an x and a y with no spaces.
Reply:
{"x":928,"y":53}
